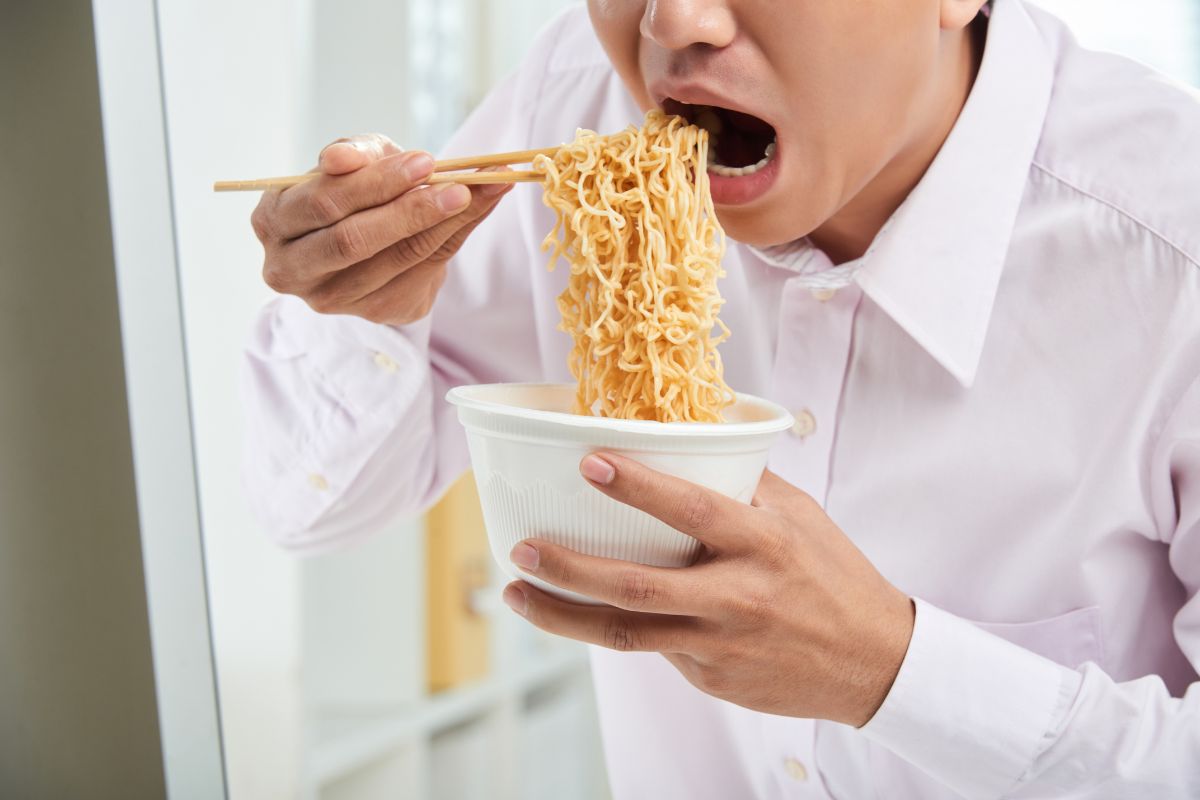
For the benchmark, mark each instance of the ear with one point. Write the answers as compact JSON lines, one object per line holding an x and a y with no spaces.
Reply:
{"x":957,"y":14}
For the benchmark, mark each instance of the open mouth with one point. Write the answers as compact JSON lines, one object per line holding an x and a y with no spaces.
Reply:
{"x":738,"y":143}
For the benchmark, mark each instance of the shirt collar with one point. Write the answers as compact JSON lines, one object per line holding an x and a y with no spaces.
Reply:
{"x":935,"y":266}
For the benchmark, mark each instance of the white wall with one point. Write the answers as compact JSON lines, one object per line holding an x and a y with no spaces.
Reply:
{"x":237,"y":90}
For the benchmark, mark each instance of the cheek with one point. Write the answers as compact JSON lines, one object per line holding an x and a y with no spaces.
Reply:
{"x":616,"y":24}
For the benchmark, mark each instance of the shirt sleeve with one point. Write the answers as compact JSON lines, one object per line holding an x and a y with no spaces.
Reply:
{"x":993,"y":720}
{"x":346,"y":425}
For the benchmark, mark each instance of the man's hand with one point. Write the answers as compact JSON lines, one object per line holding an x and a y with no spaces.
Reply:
{"x":781,"y":613}
{"x":365,"y":237}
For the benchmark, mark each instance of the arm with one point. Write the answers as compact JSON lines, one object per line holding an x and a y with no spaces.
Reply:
{"x":346,"y":425}
{"x":784,"y":615}
{"x":991,"y":719}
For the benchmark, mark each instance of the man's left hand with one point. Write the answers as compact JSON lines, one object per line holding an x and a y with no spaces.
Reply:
{"x":780,"y":613}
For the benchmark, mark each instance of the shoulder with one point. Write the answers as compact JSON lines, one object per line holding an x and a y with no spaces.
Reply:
{"x":1123,"y":138}
{"x":572,"y":43}
{"x":569,"y":82}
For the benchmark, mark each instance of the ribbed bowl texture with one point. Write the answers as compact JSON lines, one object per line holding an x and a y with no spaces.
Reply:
{"x":526,"y":446}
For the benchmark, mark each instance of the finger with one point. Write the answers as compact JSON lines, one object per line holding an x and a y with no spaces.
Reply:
{"x":718,"y":521}
{"x":354,"y":152}
{"x":358,"y":283}
{"x":328,"y":199}
{"x":624,"y":584}
{"x":492,"y":191}
{"x":360,"y":236}
{"x":772,"y":491}
{"x":609,"y":627}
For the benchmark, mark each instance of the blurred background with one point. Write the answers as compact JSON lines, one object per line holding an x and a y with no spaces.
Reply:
{"x":389,"y":670}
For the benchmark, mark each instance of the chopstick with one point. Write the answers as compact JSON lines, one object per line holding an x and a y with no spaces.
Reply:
{"x":444,"y":172}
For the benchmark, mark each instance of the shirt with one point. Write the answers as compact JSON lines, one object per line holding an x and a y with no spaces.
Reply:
{"x":1001,"y":410}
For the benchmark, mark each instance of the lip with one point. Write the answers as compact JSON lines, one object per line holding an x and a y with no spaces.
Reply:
{"x":694,"y":94}
{"x":725,"y":190}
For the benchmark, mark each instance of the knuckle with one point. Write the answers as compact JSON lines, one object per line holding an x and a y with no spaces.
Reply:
{"x":698,"y":510}
{"x":636,"y":590}
{"x":773,"y":545}
{"x":385,"y":306}
{"x":325,"y":207}
{"x":418,"y":246}
{"x":260,"y":222}
{"x":275,"y":275}
{"x":714,"y":679}
{"x":349,"y":242}
{"x":618,"y":634}
{"x":426,"y":211}
{"x":319,"y":304}
{"x":751,"y":606}
{"x":560,"y":570}
{"x":325,"y":299}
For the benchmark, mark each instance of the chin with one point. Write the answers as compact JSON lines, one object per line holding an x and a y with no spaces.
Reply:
{"x":762,"y":229}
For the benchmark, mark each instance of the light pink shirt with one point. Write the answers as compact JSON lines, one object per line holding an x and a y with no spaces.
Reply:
{"x":1002,"y":411}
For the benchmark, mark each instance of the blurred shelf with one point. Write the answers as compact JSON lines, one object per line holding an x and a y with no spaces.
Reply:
{"x":343,"y":741}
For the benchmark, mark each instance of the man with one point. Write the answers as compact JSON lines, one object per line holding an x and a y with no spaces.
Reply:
{"x":970,"y":264}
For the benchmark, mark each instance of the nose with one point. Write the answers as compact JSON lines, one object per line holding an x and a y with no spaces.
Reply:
{"x":678,"y":24}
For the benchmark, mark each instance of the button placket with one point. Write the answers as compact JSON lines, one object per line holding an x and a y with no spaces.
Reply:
{"x":795,"y":769}
{"x":813,"y":347}
{"x":385,"y":362}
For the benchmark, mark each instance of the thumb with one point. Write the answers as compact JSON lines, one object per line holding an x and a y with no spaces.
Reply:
{"x":355,"y":152}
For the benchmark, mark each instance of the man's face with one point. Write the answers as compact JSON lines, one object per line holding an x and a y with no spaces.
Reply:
{"x":836,"y":85}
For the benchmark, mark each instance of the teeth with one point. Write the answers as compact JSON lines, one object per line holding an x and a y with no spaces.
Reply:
{"x":749,"y":169}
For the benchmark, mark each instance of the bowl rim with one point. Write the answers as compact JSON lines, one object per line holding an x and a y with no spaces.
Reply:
{"x":780,"y":420}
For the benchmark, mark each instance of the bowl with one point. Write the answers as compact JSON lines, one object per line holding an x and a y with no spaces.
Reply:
{"x":526,"y":446}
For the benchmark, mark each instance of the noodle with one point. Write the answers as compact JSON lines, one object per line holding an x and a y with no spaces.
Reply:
{"x":635,"y":223}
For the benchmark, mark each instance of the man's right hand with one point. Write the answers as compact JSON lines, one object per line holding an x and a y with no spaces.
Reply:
{"x":365,"y":237}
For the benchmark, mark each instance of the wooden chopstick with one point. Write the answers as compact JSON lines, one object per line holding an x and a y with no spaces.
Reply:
{"x":492,"y":160}
{"x":441,"y":169}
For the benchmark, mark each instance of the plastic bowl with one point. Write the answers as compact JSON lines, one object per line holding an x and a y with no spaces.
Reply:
{"x":526,"y":446}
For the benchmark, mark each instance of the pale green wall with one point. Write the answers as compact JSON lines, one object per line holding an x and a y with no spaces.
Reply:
{"x":77,"y":707}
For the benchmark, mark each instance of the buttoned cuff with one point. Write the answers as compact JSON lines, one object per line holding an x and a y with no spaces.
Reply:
{"x":333,"y":389}
{"x":969,"y":708}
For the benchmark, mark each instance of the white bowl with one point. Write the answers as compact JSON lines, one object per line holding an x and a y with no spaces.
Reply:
{"x":526,"y":446}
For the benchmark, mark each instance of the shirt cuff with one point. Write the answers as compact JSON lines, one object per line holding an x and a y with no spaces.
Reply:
{"x":335,"y":389}
{"x":969,"y":708}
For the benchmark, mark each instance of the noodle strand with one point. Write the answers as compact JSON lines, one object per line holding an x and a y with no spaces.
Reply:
{"x":635,"y":223}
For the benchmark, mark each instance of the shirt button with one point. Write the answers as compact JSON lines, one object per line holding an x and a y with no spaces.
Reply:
{"x":805,"y":424}
{"x":318,"y":482}
{"x":823,"y":294}
{"x":385,"y":362}
{"x":795,"y":769}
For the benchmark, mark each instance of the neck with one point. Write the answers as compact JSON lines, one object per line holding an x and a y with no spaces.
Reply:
{"x":847,"y":234}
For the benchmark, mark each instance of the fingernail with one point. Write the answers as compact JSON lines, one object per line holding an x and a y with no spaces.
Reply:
{"x":524,"y":556}
{"x":597,"y":470}
{"x":515,"y":598}
{"x":452,"y":197}
{"x":418,"y":166}
{"x":327,"y":148}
